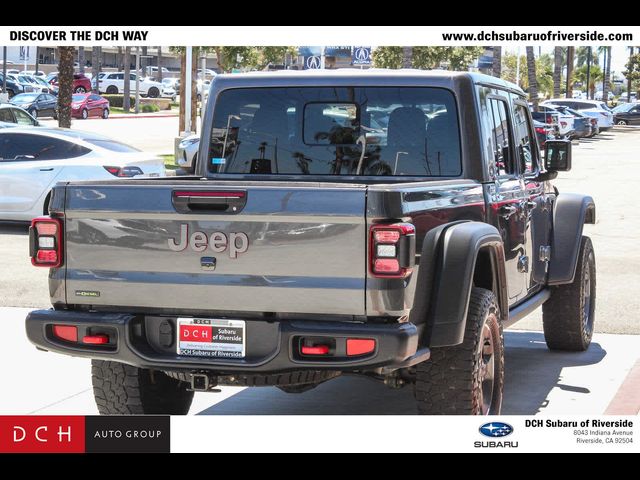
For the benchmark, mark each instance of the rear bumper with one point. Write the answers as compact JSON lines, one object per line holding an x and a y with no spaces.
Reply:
{"x":149,"y":342}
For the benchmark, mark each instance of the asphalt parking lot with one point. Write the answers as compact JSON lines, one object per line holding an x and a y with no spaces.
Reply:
{"x":538,"y":381}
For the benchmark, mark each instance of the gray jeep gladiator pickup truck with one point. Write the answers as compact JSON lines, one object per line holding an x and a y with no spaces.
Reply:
{"x":379,"y":223}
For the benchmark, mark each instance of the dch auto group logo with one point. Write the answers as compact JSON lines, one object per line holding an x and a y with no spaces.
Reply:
{"x":495,"y":431}
{"x":47,"y":434}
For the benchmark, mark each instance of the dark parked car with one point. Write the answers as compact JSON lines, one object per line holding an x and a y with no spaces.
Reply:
{"x":81,"y":84}
{"x":13,"y":88}
{"x":85,"y":105}
{"x":37,"y":104}
{"x":14,"y":116}
{"x":627,"y":114}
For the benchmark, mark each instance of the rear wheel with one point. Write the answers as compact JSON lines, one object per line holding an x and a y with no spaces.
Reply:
{"x":568,"y":317}
{"x":112,"y":90}
{"x":126,"y":390}
{"x":466,"y":379}
{"x":153,"y":92}
{"x":621,"y":122}
{"x":105,"y":113}
{"x":80,"y":89}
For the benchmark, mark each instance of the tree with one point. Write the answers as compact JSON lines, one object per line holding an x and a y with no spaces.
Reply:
{"x":570,"y":61}
{"x":606,"y":84}
{"x":510,"y":68}
{"x":458,"y":58}
{"x":557,"y":71}
{"x":632,"y":71}
{"x":66,"y":57}
{"x":595,"y":76}
{"x":159,"y":64}
{"x":126,"y":101}
{"x":497,"y":62}
{"x":96,"y":61}
{"x":531,"y":76}
{"x":387,"y":57}
{"x":407,"y":57}
{"x":275,"y":55}
{"x":582,"y":55}
{"x":81,"y":60}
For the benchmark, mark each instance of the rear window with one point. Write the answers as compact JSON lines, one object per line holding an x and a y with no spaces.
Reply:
{"x":336,"y":131}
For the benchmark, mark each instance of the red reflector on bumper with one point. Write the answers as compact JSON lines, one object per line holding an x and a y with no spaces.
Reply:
{"x":386,"y":265}
{"x":360,"y":346}
{"x":66,"y":332}
{"x":317,"y":350}
{"x":95,"y":340}
{"x":47,"y":256}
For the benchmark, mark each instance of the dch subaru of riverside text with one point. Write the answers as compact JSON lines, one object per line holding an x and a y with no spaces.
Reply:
{"x":388,"y":224}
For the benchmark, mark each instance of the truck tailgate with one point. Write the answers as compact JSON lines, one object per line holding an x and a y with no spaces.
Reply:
{"x":288,"y":248}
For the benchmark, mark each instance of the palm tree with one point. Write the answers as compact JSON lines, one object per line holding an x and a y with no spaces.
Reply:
{"x":606,"y":85}
{"x":531,"y":75}
{"x":557,"y":71}
{"x":126,"y":101}
{"x":407,"y":57}
{"x":570,"y":59}
{"x":66,"y":58}
{"x":81,"y":60}
{"x":160,"y":64}
{"x":497,"y":62}
{"x":582,"y":55}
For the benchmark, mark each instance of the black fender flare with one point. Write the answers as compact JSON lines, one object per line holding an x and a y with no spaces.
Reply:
{"x":571,"y":211}
{"x":445,"y":279}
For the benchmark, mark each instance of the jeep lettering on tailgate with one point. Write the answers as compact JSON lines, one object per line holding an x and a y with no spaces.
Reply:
{"x":218,"y":242}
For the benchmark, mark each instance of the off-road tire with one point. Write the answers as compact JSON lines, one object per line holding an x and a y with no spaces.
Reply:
{"x":451,"y":382}
{"x":121,"y":389}
{"x":568,"y":317}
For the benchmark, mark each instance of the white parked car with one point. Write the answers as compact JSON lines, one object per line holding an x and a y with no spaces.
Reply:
{"x":599,"y":94}
{"x":592,"y":108}
{"x":33,"y":73}
{"x":153,"y":71}
{"x":113,"y":83}
{"x":188,"y":153}
{"x":33,"y":160}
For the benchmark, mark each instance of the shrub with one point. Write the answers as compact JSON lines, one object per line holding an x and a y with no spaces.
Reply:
{"x":150,"y":108}
{"x":117,"y":101}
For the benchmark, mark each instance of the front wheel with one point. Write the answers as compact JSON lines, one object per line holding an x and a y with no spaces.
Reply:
{"x":466,"y":379}
{"x":621,"y":122}
{"x":153,"y":92}
{"x":568,"y":317}
{"x":105,"y":113}
{"x":121,"y":389}
{"x":85,"y":113}
{"x":34,"y":113}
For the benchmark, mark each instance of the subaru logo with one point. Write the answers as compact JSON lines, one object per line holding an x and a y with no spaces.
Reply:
{"x":496,"y":429}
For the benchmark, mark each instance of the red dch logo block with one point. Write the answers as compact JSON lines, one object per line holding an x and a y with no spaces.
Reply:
{"x":34,"y":434}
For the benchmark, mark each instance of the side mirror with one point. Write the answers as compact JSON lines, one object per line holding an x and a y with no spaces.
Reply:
{"x":557,"y":155}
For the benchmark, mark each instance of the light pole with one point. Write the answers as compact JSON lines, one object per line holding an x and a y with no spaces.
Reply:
{"x":138,"y":57}
{"x":4,"y":71}
{"x":187,"y":90}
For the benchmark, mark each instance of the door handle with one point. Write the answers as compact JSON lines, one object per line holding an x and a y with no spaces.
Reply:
{"x":507,"y":211}
{"x":50,"y":169}
{"x":221,"y":201}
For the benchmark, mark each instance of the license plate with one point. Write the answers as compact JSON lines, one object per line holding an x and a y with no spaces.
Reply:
{"x":204,"y":337}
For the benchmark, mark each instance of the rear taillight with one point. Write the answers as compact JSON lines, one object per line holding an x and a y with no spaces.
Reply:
{"x":392,"y":250}
{"x":541,"y":131}
{"x":563,"y":124}
{"x":124,"y":172}
{"x":45,"y":242}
